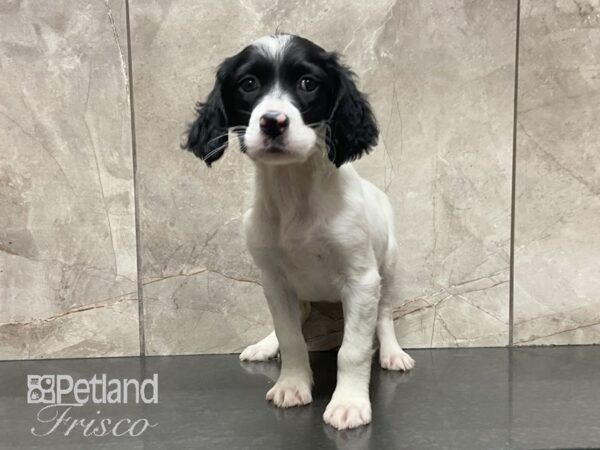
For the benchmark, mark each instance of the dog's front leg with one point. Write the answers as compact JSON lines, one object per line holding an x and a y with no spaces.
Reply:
{"x":295,"y":380}
{"x":350,"y":406}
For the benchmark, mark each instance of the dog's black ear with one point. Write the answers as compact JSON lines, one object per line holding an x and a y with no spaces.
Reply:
{"x":207,"y":135}
{"x":353,"y":128}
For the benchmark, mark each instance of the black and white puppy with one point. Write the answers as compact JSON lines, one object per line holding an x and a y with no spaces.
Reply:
{"x":317,"y":230}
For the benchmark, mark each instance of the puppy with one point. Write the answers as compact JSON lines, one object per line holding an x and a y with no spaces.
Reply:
{"x":317,"y":230}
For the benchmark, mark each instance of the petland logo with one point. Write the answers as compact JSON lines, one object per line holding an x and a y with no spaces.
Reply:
{"x":62,"y":395}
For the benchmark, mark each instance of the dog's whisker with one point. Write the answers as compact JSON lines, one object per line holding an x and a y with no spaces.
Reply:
{"x":221,"y":136}
{"x":317,"y":124}
{"x":215,"y":151}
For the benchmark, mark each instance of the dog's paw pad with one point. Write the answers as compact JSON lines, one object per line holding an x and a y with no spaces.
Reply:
{"x":259,"y":352}
{"x":290,"y":392}
{"x":346,"y":414}
{"x":398,"y":360}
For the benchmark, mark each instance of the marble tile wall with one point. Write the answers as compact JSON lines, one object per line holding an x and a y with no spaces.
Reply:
{"x":441,"y":78}
{"x":557,"y":209}
{"x":67,"y":234}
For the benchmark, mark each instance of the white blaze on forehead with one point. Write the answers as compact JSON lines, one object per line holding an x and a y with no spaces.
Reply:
{"x":272,"y":46}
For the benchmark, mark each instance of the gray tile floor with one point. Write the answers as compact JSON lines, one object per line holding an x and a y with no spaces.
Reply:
{"x":462,"y":399}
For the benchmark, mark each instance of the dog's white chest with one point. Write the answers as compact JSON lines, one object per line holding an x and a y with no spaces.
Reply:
{"x":310,"y":268}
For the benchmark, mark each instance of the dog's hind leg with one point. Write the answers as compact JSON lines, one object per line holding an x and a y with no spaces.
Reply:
{"x":268,"y":347}
{"x":265,"y":349}
{"x":391,"y":355}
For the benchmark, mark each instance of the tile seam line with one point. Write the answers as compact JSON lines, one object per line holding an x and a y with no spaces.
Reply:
{"x":140,"y":287}
{"x":511,"y":297}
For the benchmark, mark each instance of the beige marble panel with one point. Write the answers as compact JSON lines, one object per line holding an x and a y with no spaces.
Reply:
{"x":440,"y":77}
{"x":557,"y":239}
{"x":67,"y":234}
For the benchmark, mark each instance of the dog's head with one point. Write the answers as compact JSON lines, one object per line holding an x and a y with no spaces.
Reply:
{"x":279,"y":96}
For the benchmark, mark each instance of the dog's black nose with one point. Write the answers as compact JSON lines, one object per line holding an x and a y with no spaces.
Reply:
{"x":274,"y":123}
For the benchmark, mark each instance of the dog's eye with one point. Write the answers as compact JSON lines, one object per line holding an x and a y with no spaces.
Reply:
{"x":249,"y":84}
{"x":308,"y":84}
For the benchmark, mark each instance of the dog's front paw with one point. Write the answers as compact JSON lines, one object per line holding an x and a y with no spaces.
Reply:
{"x":344,"y":413}
{"x":396,"y":360}
{"x":259,"y":352}
{"x":290,"y":392}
